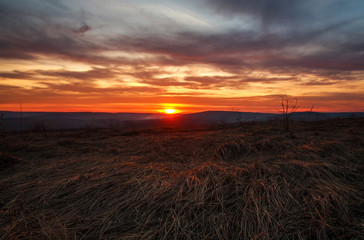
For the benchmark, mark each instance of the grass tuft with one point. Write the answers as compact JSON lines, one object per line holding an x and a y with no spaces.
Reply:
{"x":232,"y":150}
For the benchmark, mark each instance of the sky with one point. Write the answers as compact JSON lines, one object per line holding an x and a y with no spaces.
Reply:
{"x":146,"y":56}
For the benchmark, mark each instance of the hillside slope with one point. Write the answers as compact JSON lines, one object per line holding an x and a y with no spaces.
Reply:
{"x":218,"y":182}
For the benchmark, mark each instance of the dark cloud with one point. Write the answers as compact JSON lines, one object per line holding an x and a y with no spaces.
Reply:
{"x":215,"y":82}
{"x":319,"y":83}
{"x":17,"y":75}
{"x":30,"y":35}
{"x":6,"y":88}
{"x":269,"y":12}
{"x":192,"y":46}
{"x":27,"y":33}
{"x":93,"y":74}
{"x":231,"y":82}
{"x":253,"y":50}
{"x":81,"y":30}
{"x":58,"y":4}
{"x":28,"y":44}
{"x":338,"y":59}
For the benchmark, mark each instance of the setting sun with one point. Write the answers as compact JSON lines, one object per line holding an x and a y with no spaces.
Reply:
{"x":170,"y":111}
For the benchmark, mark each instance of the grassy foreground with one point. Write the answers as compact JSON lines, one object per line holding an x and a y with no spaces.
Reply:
{"x":222,"y":182}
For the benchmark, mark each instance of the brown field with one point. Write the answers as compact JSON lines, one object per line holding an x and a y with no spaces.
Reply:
{"x":218,"y":182}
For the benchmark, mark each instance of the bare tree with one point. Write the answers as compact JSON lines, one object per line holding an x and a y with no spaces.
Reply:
{"x":289,"y":106}
{"x":241,"y":120}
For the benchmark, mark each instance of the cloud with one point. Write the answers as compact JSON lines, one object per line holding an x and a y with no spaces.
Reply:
{"x":165,"y":82}
{"x":215,"y":82}
{"x":81,"y":30}
{"x":254,"y":50}
{"x":319,"y":83}
{"x":93,"y":74}
{"x":17,"y":75}
{"x":91,"y":88}
{"x":36,"y":33}
{"x":58,"y":4}
{"x":269,"y":12}
{"x":294,"y":43}
{"x":27,"y":34}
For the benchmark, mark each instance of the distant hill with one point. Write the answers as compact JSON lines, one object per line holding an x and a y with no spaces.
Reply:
{"x":15,"y":121}
{"x":227,"y":117}
{"x":234,"y":117}
{"x":315,"y":116}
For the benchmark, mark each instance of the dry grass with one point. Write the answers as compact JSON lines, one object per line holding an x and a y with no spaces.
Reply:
{"x":187,"y":184}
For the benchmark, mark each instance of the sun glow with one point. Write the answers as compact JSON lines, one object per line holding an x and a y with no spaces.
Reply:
{"x":170,"y":111}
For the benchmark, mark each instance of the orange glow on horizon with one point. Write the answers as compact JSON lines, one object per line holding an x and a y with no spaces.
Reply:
{"x":266,"y":106}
